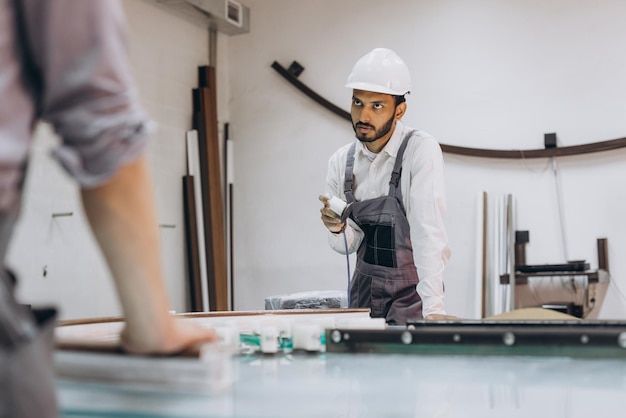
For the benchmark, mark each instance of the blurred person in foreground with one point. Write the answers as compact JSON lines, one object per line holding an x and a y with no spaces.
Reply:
{"x":65,"y":62}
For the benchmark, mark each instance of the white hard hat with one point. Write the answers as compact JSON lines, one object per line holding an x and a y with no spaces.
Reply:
{"x":381,"y":71}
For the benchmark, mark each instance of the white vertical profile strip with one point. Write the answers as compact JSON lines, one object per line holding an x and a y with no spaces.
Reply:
{"x":504,"y":289}
{"x":511,"y":250}
{"x":496,"y":226}
{"x":498,"y":245}
{"x":490,"y":257}
{"x":480,"y":285}
{"x":504,"y":248}
{"x":559,"y":201}
{"x":493,"y":262}
{"x":230,"y":161}
{"x":504,"y":227}
{"x":193,"y":169}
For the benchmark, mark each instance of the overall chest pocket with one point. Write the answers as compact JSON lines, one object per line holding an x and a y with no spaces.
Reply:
{"x":380,"y":240}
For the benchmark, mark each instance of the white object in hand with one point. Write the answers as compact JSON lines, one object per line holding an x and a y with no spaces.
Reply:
{"x":337,"y":205}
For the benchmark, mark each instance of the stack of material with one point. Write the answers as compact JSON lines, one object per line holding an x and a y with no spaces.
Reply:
{"x":320,"y":299}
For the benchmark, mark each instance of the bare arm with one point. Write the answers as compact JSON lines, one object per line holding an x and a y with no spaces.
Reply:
{"x":122,"y":216}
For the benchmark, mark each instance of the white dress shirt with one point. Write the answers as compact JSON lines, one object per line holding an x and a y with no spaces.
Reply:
{"x":423,"y":196}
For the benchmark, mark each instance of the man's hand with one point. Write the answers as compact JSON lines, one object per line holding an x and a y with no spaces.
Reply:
{"x":180,"y":335}
{"x":331,"y":220}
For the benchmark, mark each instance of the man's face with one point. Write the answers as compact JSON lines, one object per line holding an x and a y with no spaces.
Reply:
{"x":374,"y":115}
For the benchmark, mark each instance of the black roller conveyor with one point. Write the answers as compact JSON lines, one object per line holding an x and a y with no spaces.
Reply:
{"x":576,"y":338}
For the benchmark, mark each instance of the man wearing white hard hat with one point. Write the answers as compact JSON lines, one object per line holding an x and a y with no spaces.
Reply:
{"x":392,"y":178}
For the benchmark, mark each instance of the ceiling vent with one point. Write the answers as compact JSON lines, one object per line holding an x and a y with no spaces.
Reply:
{"x":226,"y":16}
{"x":234,"y":12}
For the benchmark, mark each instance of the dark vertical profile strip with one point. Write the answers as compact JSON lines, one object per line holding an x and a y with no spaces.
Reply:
{"x":212,"y":200}
{"x":225,"y":165}
{"x":228,"y":189}
{"x":191,"y":239}
{"x":603,"y":254}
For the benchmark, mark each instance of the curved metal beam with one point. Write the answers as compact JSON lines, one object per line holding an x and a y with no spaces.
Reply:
{"x":313,"y":95}
{"x":472,"y":152}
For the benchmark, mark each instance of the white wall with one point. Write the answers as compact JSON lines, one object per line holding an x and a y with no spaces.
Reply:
{"x":165,"y":52}
{"x":486,"y":73}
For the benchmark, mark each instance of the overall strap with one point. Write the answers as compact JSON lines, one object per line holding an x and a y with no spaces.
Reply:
{"x":31,"y":71}
{"x":397,"y":168}
{"x":349,"y":179}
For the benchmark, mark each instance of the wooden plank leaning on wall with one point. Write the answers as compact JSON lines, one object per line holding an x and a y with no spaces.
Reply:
{"x":205,"y":122}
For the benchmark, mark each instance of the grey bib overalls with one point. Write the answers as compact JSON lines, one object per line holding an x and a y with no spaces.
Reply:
{"x":385,"y":277}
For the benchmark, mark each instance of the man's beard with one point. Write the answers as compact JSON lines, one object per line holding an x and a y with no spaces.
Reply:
{"x":378,"y":133}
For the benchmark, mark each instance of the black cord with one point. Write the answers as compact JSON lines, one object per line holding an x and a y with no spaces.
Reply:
{"x":345,"y":241}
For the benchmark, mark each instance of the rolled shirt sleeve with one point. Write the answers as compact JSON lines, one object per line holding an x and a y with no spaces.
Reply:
{"x":88,"y":94}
